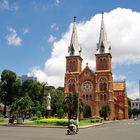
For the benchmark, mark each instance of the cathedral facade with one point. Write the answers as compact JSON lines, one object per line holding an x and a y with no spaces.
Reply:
{"x":95,"y":89}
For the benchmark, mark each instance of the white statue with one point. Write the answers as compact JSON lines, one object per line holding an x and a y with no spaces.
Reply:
{"x":48,"y":102}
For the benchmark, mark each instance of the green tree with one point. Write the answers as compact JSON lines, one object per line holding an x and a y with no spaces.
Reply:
{"x":135,"y":112}
{"x":139,"y":111}
{"x":61,"y":88}
{"x":129,"y":102}
{"x":21,"y":107}
{"x":129,"y":111}
{"x":8,"y":79}
{"x":35,"y":90}
{"x":129,"y":107}
{"x":105,"y":111}
{"x":57,"y":100}
{"x":38,"y":114}
{"x":70,"y":105}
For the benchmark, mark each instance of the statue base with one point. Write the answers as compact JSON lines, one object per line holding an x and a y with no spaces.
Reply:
{"x":48,"y":113}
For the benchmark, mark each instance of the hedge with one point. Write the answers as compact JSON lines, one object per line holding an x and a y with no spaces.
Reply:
{"x":53,"y":121}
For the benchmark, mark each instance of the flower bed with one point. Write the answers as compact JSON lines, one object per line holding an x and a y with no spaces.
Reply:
{"x":52,"y":121}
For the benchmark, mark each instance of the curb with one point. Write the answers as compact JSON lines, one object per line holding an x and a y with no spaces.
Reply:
{"x":36,"y":126}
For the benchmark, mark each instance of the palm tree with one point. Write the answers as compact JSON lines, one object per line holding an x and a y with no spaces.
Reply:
{"x":70,"y":104}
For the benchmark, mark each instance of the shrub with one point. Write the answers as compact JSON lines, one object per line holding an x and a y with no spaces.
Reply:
{"x":1,"y":116}
{"x":38,"y":114}
{"x":2,"y":119}
{"x":34,"y":118}
{"x":52,"y":121}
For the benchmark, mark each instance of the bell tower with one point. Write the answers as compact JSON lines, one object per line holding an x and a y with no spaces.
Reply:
{"x":104,"y":79}
{"x":73,"y":63}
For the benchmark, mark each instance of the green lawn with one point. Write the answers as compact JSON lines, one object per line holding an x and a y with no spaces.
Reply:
{"x":61,"y":122}
{"x":2,"y":119}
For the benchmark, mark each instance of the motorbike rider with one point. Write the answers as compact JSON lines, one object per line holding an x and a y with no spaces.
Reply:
{"x":72,"y":125}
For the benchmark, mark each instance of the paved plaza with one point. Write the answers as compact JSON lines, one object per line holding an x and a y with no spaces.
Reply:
{"x":117,"y":130}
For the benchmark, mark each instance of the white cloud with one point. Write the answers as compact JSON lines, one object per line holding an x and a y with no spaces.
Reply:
{"x":41,"y":76}
{"x":57,"y":2}
{"x":133,"y":88}
{"x":54,"y":27}
{"x":119,"y":77}
{"x":51,"y":39}
{"x":14,"y":7}
{"x":25,"y":31}
{"x":123,"y":31}
{"x":38,"y":5}
{"x":6,"y":5}
{"x":12,"y":37}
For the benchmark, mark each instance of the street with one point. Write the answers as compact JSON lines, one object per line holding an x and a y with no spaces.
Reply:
{"x":117,"y":130}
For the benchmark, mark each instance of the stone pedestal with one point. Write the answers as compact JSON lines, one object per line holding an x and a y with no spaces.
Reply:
{"x":48,"y":113}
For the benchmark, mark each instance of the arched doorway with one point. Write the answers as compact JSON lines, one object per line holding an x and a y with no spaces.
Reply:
{"x":87,"y":112}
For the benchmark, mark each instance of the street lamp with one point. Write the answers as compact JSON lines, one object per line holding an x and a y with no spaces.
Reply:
{"x":77,"y":121}
{"x":77,"y":90}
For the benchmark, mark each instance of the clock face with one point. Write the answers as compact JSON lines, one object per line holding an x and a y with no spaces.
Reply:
{"x":87,"y":86}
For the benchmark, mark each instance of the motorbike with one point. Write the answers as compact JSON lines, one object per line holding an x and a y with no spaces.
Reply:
{"x":72,"y":130}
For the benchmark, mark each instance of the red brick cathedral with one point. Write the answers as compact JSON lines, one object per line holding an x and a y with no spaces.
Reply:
{"x":95,"y":88}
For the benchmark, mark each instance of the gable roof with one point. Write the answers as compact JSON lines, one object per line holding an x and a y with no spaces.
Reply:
{"x":119,"y":86}
{"x":86,"y":69}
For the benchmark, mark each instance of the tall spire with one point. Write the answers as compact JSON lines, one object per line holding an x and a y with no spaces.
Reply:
{"x":103,"y":46}
{"x":74,"y":48}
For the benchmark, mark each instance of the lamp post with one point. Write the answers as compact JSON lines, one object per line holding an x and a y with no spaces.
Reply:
{"x":77,"y":121}
{"x":77,"y":90}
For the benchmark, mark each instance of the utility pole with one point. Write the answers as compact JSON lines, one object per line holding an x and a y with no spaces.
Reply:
{"x":77,"y":90}
{"x":77,"y":121}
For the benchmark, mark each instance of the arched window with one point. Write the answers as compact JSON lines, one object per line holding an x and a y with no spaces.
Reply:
{"x":70,"y":88}
{"x":104,"y":64}
{"x":74,"y":66}
{"x":105,"y":97}
{"x":100,"y":64}
{"x":83,"y":96}
{"x":101,"y":97}
{"x":72,"y":85}
{"x":103,"y":84}
{"x":90,"y":96}
{"x":69,"y":66}
{"x":86,"y":97}
{"x":104,"y":87}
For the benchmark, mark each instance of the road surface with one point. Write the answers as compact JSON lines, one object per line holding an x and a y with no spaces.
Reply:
{"x":117,"y":130}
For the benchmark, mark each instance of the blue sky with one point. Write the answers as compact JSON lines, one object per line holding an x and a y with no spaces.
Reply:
{"x":35,"y":35}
